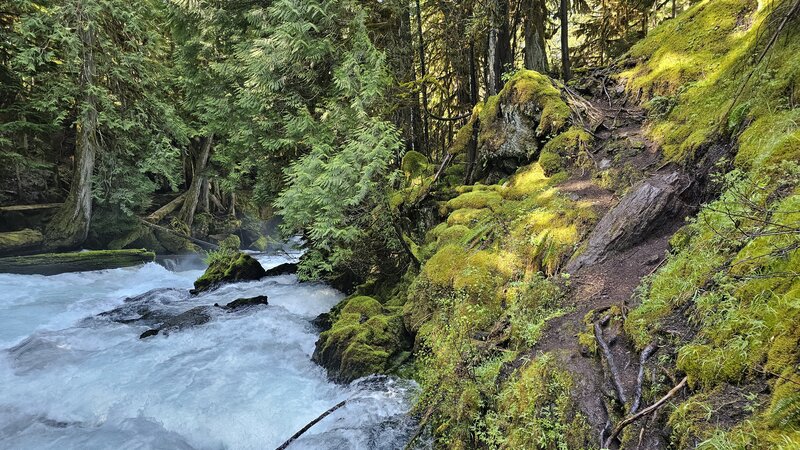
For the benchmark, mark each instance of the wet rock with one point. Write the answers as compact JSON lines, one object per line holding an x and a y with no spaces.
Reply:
{"x":247,"y":302}
{"x":148,"y":333}
{"x":231,"y":268}
{"x":282,"y":269}
{"x":650,"y":205}
{"x":196,"y":316}
{"x":364,"y":339}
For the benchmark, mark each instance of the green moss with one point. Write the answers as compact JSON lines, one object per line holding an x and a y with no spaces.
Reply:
{"x":415,"y":164}
{"x":536,"y":410}
{"x":228,"y":267}
{"x":261,"y":244}
{"x":530,"y":89}
{"x":476,"y":199}
{"x":362,"y":340}
{"x":564,"y":149}
{"x":232,"y":243}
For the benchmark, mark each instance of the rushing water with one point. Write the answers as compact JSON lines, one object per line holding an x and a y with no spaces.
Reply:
{"x":70,"y":378}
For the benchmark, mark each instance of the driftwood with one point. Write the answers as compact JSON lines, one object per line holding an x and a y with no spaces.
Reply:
{"x":55,"y":263}
{"x":637,"y":395}
{"x":633,"y":418}
{"x":612,"y":368}
{"x":176,"y":233}
{"x":311,"y":424}
{"x":157,"y":215}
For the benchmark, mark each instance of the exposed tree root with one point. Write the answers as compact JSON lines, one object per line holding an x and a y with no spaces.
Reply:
{"x":612,"y":367}
{"x":637,"y":395}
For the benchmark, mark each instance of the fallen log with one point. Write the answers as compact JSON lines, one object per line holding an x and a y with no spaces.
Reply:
{"x":311,"y":424}
{"x":199,"y":242}
{"x":29,"y":208}
{"x":167,"y":209}
{"x":55,"y":263}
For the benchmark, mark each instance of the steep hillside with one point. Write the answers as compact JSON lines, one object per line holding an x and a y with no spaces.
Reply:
{"x":562,"y":300}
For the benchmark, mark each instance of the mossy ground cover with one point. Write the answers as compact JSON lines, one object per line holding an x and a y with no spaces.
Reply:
{"x":482,"y":298}
{"x":732,"y":273}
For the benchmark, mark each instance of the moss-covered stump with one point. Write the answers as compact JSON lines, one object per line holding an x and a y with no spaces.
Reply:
{"x":363,"y":340}
{"x":55,"y":263}
{"x":228,"y":269}
{"x":19,"y":241}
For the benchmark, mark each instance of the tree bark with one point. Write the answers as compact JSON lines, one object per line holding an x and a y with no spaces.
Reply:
{"x":565,"y":63}
{"x":498,"y":50}
{"x":535,"y":50}
{"x":424,"y":91}
{"x":70,"y":226}
{"x":186,"y":214}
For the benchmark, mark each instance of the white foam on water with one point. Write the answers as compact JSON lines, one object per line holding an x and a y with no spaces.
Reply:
{"x":244,"y":380}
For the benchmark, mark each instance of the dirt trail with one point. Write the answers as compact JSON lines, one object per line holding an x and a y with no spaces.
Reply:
{"x":620,"y":142}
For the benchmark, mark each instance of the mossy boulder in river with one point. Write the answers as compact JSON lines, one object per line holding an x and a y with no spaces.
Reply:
{"x":229,"y":268}
{"x":363,"y":340}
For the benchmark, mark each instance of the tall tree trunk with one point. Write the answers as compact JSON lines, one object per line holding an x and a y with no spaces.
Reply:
{"x":498,"y":51}
{"x":564,"y":16}
{"x":423,"y":73}
{"x":70,"y":225}
{"x":204,"y":202}
{"x":535,"y":51}
{"x":193,"y":193}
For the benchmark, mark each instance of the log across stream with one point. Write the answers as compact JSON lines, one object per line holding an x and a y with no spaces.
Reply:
{"x":75,"y":376}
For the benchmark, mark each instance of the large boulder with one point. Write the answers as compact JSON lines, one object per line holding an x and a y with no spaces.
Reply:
{"x":229,"y":268}
{"x":650,"y":205}
{"x":364,"y":339}
{"x":516,"y":123}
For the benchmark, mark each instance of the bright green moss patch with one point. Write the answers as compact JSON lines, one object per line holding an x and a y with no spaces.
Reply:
{"x":563,"y":150}
{"x":415,"y":164}
{"x":476,"y":199}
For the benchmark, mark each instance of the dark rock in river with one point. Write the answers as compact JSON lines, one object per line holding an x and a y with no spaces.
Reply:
{"x":282,"y":269}
{"x":248,"y":302}
{"x":191,"y":318}
{"x":229,"y":269}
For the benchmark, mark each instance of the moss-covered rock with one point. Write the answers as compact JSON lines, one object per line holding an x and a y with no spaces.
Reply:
{"x":260,"y":244}
{"x":229,"y":268}
{"x":364,"y":339}
{"x":232,"y":243}
{"x":415,"y":164}
{"x":18,"y":241}
{"x":515,"y":124}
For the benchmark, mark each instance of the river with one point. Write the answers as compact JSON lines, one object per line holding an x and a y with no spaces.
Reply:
{"x":72,"y":378}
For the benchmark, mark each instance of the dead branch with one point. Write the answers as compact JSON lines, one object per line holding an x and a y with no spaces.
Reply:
{"x":311,"y":424}
{"x":630,"y":419}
